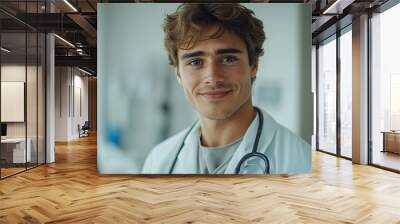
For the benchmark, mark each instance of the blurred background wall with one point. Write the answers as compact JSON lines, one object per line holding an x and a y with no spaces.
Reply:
{"x":140,"y":102}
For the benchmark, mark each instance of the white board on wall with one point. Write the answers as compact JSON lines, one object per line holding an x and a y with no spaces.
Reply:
{"x":12,"y":101}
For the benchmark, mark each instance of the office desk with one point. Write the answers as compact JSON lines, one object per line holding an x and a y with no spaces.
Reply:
{"x":391,"y":141}
{"x":13,"y":150}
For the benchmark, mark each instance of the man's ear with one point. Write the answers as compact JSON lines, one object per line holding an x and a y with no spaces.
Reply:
{"x":178,"y":76}
{"x":253,"y":69}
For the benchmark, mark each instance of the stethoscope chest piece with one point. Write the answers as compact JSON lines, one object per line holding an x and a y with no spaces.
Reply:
{"x":253,"y":163}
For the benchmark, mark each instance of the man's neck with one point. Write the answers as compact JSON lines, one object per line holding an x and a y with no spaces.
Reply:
{"x":216,"y":133}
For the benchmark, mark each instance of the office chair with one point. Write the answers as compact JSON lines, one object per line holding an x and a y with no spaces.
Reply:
{"x":84,"y":130}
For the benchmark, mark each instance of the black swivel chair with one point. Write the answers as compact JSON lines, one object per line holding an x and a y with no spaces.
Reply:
{"x":84,"y":130}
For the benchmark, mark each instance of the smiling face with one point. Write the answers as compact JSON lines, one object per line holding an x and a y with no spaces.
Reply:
{"x":216,"y":74}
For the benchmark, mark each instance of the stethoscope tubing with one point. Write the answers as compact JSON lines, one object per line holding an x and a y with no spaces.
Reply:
{"x":253,"y":153}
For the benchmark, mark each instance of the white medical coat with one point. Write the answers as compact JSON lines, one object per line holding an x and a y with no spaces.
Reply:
{"x":287,"y":153}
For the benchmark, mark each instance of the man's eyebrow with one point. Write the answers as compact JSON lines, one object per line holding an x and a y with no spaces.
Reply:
{"x":192,"y":54}
{"x":219,"y":51}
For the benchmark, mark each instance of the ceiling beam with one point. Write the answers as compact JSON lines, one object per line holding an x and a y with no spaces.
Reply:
{"x":83,"y":61}
{"x":85,"y":25}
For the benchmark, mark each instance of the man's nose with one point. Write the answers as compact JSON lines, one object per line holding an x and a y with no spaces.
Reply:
{"x":214,"y":72}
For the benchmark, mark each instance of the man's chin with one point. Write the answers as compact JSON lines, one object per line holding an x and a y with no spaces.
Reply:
{"x":216,"y":113}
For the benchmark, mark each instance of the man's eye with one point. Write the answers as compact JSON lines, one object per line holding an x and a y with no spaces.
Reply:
{"x":195,"y":62}
{"x":229,"y":59}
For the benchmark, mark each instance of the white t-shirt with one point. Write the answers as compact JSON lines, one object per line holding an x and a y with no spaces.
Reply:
{"x":214,"y":160}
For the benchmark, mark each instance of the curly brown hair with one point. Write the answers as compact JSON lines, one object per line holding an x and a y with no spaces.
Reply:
{"x":182,"y":28}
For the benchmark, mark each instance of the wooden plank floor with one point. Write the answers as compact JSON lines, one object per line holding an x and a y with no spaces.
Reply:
{"x":71,"y":191}
{"x":10,"y":171}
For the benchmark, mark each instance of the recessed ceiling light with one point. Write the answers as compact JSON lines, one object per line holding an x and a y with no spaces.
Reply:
{"x":84,"y":71}
{"x":64,"y":40}
{"x":70,"y":5}
{"x":5,"y":50}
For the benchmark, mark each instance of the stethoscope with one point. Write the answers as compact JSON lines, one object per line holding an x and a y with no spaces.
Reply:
{"x":251,"y":163}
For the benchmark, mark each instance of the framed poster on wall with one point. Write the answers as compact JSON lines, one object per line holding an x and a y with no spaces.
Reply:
{"x":12,"y":101}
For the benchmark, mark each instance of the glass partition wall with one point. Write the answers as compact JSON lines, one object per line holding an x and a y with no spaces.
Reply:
{"x":327,"y":95}
{"x":346,"y":93}
{"x":334,"y":90}
{"x":334,"y":94}
{"x":385,"y":89}
{"x":13,"y":110}
{"x":22,"y":106}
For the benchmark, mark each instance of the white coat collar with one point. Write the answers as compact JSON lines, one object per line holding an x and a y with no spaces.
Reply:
{"x":187,"y":157}
{"x":187,"y":161}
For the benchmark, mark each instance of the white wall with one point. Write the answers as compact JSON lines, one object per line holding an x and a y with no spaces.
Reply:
{"x":16,"y":73}
{"x":12,"y":73}
{"x":79,"y":117}
{"x":70,"y":83}
{"x":61,"y":103}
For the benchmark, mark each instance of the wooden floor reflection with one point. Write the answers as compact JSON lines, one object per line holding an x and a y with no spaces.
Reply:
{"x":71,"y":191}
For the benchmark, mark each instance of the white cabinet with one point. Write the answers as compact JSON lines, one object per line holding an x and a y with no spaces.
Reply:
{"x":18,"y":149}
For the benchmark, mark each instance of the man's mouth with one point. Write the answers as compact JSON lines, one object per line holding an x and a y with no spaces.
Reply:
{"x":214,"y":95}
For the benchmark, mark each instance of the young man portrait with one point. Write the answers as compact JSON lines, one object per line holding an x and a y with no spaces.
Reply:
{"x":215,"y":49}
